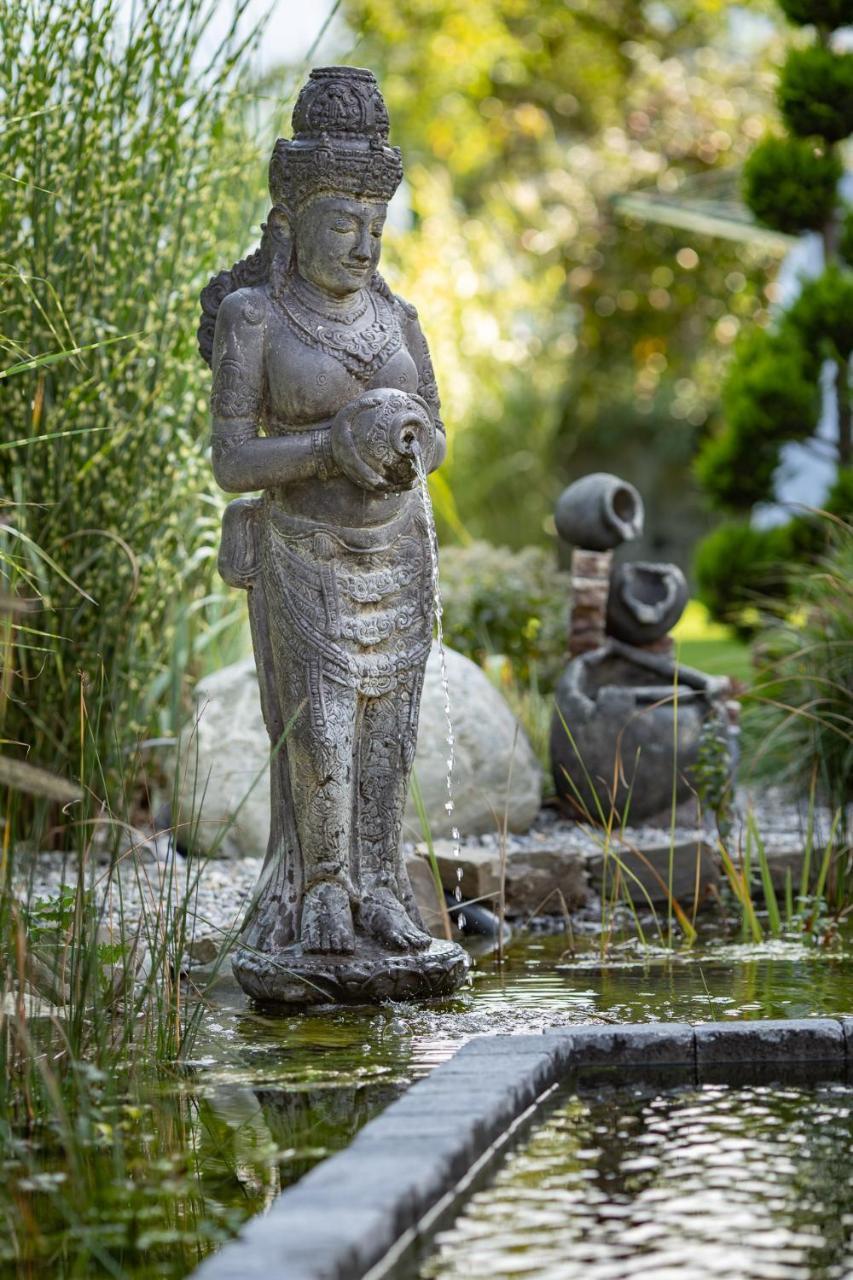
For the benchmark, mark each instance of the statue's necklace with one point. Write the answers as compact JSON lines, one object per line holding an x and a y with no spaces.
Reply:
{"x":363,"y":349}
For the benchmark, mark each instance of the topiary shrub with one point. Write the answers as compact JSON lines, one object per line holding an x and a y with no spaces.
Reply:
{"x":775,"y":388}
{"x":769,"y":397}
{"x":736,"y":566}
{"x":819,"y":13}
{"x":510,"y":602}
{"x":790,"y":183}
{"x":822,"y":317}
{"x":815,"y":92}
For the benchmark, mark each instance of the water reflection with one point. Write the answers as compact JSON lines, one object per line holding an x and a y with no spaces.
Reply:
{"x":697,"y":1183}
{"x":266,"y":1097}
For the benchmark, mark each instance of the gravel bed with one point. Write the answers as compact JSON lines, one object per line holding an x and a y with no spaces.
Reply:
{"x":217,"y":891}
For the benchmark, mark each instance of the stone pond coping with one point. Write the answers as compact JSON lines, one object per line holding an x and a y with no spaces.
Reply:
{"x":360,"y":1213}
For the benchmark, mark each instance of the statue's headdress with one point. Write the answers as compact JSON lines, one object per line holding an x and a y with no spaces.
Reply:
{"x":339,"y":147}
{"x":340,"y":142}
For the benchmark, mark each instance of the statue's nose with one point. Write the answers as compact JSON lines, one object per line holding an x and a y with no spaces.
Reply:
{"x":361,"y":251}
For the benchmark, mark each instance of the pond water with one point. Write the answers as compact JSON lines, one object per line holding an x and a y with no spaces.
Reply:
{"x":150,"y":1181}
{"x":751,"y":1183}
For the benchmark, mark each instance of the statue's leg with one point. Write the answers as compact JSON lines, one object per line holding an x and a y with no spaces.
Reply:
{"x":320,"y":763}
{"x":386,"y":753}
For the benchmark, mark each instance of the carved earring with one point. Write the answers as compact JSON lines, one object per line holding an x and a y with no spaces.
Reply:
{"x":282,"y":257}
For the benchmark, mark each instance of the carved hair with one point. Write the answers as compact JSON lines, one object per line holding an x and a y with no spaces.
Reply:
{"x":339,"y":147}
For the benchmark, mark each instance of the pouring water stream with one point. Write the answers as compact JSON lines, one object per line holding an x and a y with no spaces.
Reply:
{"x":442,"y":656}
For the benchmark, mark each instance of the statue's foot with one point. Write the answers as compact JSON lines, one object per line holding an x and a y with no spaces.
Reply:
{"x":386,"y":919}
{"x":327,"y":920}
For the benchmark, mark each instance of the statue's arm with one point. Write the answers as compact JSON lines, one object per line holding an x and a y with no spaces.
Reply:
{"x":243,"y":460}
{"x":427,"y":386}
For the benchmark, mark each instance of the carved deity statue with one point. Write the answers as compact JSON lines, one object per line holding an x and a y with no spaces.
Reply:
{"x":324,"y":399}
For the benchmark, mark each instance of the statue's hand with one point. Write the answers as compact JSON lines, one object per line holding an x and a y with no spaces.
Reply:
{"x":348,"y":459}
{"x":377,"y":437}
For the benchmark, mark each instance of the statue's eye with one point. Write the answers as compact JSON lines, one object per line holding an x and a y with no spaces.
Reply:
{"x":342,"y":226}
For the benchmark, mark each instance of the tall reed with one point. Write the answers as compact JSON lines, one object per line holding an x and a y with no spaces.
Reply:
{"x":123,"y":149}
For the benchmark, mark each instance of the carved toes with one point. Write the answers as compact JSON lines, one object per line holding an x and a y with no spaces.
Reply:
{"x":327,"y":920}
{"x":386,"y":919}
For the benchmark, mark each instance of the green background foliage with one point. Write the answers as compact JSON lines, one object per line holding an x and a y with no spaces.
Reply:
{"x":565,"y":332}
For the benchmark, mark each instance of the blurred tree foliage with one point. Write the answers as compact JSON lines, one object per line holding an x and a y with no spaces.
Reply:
{"x":565,"y":336}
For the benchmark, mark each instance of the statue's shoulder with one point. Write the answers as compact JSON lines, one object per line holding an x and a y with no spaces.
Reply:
{"x":406,"y":310}
{"x":244,"y":309}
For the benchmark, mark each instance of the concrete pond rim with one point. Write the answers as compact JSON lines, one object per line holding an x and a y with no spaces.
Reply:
{"x":369,"y":1210}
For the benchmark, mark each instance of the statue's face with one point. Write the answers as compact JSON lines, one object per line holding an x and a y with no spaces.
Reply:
{"x":338,"y":242}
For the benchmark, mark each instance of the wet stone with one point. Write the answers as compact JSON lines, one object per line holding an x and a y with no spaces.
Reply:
{"x":782,"y":1040}
{"x":644,"y":1045}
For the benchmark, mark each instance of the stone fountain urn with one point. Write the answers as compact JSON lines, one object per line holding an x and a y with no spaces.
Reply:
{"x":627,"y":727}
{"x":628,"y":718}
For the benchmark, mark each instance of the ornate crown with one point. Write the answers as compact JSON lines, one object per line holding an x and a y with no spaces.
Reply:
{"x":340,"y":141}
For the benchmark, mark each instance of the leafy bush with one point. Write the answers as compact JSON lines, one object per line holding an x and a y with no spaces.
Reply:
{"x":800,"y":712}
{"x":769,"y":397}
{"x":119,"y":197}
{"x":845,"y":237}
{"x":509,"y":602}
{"x":736,"y":565}
{"x":790,"y":183}
{"x":821,"y":13}
{"x":822,"y":317}
{"x":815,"y":92}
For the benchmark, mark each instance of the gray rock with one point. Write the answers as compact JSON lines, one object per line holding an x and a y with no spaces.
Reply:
{"x":224,"y":786}
{"x":644,"y":869}
{"x":542,"y":880}
{"x":494,"y":766}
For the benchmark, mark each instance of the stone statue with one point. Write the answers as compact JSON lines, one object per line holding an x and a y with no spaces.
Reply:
{"x":324,"y":398}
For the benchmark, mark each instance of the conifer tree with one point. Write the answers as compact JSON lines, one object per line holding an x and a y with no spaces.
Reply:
{"x":772,"y":395}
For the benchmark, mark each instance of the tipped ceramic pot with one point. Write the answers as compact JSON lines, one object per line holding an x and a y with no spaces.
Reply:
{"x":645,"y":601}
{"x":598,"y":512}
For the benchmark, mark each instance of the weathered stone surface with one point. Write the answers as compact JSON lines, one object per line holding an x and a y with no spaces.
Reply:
{"x":623,"y":706}
{"x":297,"y":977}
{"x":224,"y":754}
{"x":695,"y":872}
{"x":648,"y":1044}
{"x":782,"y":1040}
{"x":494,"y":765}
{"x":433,"y":910}
{"x":537,"y":880}
{"x":324,"y":397}
{"x":645,"y":601}
{"x":345,"y":1215}
{"x":541,"y":881}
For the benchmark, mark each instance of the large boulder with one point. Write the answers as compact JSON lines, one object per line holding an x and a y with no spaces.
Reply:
{"x":224,"y":792}
{"x":494,"y":768}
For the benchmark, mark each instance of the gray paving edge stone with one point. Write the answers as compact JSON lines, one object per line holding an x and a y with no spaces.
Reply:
{"x":354,"y":1215}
